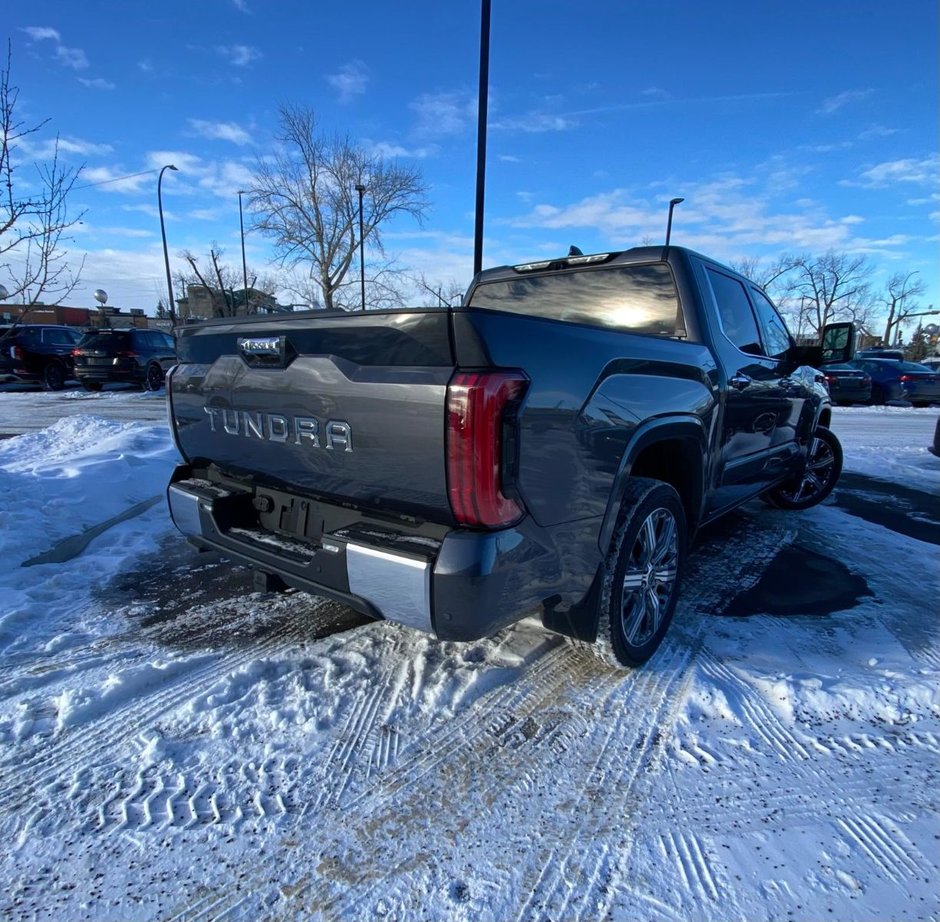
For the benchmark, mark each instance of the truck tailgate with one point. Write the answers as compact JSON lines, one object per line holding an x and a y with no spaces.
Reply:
{"x":349,"y":407}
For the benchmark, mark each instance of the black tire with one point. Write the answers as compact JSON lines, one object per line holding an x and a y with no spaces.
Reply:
{"x":53,"y":376}
{"x":642,"y":574}
{"x":823,"y":468}
{"x":877,"y":395}
{"x":91,"y":385}
{"x":153,"y":377}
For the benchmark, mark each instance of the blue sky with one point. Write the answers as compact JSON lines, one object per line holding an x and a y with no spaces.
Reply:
{"x":787,"y":127}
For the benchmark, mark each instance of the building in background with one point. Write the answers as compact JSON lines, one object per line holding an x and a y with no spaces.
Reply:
{"x":80,"y":317}
{"x":202,"y":303}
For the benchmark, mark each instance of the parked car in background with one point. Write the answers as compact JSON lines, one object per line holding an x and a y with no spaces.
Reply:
{"x":880,"y":353}
{"x":37,"y":353}
{"x":847,"y":384}
{"x":933,"y":363}
{"x":140,"y":357}
{"x":894,"y":380}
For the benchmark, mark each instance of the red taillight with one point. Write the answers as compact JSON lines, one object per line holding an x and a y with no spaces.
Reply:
{"x":476,"y":416}
{"x":127,"y":354}
{"x":76,"y":352}
{"x":16,"y":352}
{"x":906,"y":378}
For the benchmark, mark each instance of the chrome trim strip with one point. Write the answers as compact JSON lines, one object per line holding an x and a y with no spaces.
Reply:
{"x":184,"y":510}
{"x":399,"y":587}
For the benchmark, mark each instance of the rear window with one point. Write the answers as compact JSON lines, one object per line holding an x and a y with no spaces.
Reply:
{"x":104,"y":339}
{"x":911,"y":366}
{"x":638,"y":299}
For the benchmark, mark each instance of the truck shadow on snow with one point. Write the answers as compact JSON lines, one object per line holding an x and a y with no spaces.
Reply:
{"x":190,"y":600}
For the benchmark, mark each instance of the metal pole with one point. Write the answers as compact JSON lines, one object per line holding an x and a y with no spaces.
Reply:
{"x":672,"y":205}
{"x":481,"y":133}
{"x":166,"y":255}
{"x":241,"y":225}
{"x":360,"y":188}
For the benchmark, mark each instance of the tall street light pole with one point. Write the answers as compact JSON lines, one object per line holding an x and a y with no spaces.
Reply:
{"x":672,"y":205}
{"x":481,"y":133}
{"x":241,"y":225}
{"x":166,"y":255}
{"x":360,"y":188}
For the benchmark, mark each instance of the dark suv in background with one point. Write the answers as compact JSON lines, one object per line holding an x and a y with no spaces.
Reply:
{"x":37,"y":352}
{"x":140,"y":357}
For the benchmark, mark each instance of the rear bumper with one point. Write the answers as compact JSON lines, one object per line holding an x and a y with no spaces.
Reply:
{"x":106,"y":373}
{"x":464,"y":586}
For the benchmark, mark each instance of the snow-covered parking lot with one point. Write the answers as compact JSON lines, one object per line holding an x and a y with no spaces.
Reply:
{"x":176,"y":746}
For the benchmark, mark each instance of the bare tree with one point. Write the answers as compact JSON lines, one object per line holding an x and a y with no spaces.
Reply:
{"x":34,"y":227}
{"x":772,"y":277}
{"x":224,"y":283}
{"x":835,"y":286}
{"x":447,"y":293}
{"x":304,"y":198}
{"x":899,"y":299}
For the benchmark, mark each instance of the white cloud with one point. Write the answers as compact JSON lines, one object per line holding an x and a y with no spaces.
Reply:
{"x":45,"y":150}
{"x":39,"y":33}
{"x":390,"y":149}
{"x":350,"y":82}
{"x":220,"y":131}
{"x":98,"y":83}
{"x":536,"y":123}
{"x":441,"y":114}
{"x":115,"y":180}
{"x":73,"y":58}
{"x":239,"y":55}
{"x":924,"y":172}
{"x":834,"y":103}
{"x":204,"y":214}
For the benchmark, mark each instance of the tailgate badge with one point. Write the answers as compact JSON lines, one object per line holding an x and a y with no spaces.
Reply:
{"x":265,"y":351}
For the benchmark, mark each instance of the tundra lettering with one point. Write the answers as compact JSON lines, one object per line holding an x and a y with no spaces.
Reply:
{"x":275,"y":427}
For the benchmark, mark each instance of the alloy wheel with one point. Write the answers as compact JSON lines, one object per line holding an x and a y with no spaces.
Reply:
{"x":650,"y":577}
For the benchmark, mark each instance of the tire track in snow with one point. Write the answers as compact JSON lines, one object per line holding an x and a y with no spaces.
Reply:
{"x":649,"y":708}
{"x":461,"y":744}
{"x":684,"y":850}
{"x":499,"y":724}
{"x":755,"y":713}
{"x":79,"y":746}
{"x":886,"y":845}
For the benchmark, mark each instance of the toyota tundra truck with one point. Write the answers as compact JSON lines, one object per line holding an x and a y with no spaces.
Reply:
{"x":548,"y":447}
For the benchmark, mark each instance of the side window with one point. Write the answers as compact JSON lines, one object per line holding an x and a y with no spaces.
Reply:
{"x":139,"y":340}
{"x":777,"y":340}
{"x":57,"y":337}
{"x":168,"y":342}
{"x":734,"y":312}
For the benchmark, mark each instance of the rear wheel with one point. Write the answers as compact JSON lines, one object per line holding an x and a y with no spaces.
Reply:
{"x":53,"y":377}
{"x":641,"y":581}
{"x":821,"y":474}
{"x":153,"y":377}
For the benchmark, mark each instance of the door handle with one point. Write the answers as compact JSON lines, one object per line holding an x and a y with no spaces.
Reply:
{"x":739,"y":381}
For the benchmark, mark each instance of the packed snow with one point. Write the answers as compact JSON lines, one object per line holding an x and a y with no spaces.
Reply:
{"x":174,"y":745}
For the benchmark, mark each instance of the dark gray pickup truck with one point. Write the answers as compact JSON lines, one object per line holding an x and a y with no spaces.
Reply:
{"x":549,"y":447}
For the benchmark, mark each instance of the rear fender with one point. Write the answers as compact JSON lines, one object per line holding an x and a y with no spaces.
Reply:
{"x":687,"y":429}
